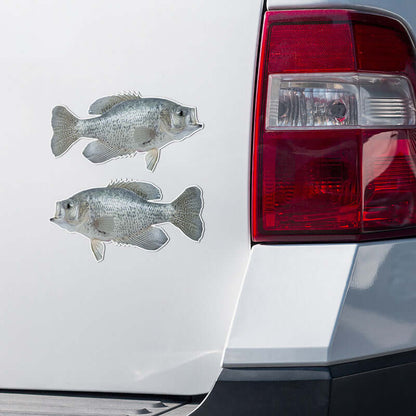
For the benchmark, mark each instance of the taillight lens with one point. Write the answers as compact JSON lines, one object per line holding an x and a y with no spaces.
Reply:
{"x":338,"y":100}
{"x":334,"y":154}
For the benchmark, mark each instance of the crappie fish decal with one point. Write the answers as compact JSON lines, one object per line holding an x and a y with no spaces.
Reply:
{"x":124,"y":213}
{"x":124,"y":125}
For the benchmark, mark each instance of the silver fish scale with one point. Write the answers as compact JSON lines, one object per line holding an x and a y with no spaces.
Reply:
{"x":117,"y":126}
{"x":130,"y":212}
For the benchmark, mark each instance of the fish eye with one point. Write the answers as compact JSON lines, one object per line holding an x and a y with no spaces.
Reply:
{"x":68,"y":205}
{"x":180,"y":113}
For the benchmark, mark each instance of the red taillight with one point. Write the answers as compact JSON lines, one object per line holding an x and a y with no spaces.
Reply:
{"x":298,"y":48}
{"x":334,"y":154}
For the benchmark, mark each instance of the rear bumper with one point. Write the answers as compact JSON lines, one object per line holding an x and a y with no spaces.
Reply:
{"x":322,"y":330}
{"x":378,"y":386}
{"x":320,"y":304}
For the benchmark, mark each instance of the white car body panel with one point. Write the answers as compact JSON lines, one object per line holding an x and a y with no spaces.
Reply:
{"x":324,"y":304}
{"x":289,"y":304}
{"x":158,"y":322}
{"x":140,"y":321}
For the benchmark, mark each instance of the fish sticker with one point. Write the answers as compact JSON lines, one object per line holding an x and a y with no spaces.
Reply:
{"x":124,"y":125}
{"x":124,"y":212}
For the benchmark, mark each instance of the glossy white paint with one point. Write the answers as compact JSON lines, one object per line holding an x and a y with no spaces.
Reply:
{"x":320,"y":304}
{"x":139,"y":321}
{"x":289,"y":304}
{"x":157,"y":322}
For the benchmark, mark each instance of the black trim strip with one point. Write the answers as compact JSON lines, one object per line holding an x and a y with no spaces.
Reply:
{"x":381,"y":386}
{"x":376,"y":363}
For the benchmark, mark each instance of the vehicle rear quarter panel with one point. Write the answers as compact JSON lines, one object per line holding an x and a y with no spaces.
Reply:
{"x":139,"y":321}
{"x":321,"y":304}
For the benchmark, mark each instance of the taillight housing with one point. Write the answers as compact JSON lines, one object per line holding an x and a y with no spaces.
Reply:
{"x":334,"y":149}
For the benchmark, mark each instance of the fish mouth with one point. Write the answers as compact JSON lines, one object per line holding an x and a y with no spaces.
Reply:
{"x":194,"y":119}
{"x":59,"y":213}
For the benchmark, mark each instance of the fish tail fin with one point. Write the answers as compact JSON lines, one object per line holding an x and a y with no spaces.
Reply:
{"x":187,"y":213}
{"x":65,"y":132}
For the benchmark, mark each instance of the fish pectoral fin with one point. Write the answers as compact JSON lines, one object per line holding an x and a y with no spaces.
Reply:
{"x":104,"y":224}
{"x":145,"y":190}
{"x":98,"y":248}
{"x":143,"y":135}
{"x":104,"y":104}
{"x":152,"y":238}
{"x":98,"y":152}
{"x":152,"y":157}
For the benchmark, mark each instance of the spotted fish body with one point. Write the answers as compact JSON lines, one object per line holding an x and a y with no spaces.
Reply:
{"x":124,"y":213}
{"x":125,"y":124}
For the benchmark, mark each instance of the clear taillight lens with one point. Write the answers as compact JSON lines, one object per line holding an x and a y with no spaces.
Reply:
{"x":334,"y":153}
{"x":338,"y":100}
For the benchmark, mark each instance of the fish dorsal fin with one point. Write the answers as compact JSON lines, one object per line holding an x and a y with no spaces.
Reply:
{"x":145,"y":190}
{"x":102,"y":105}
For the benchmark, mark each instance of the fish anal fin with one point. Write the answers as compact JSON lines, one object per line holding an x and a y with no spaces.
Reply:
{"x":152,"y":238}
{"x":98,"y":152}
{"x":98,"y":248}
{"x":104,"y":104}
{"x":152,"y":157}
{"x":145,"y":190}
{"x":104,"y":224}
